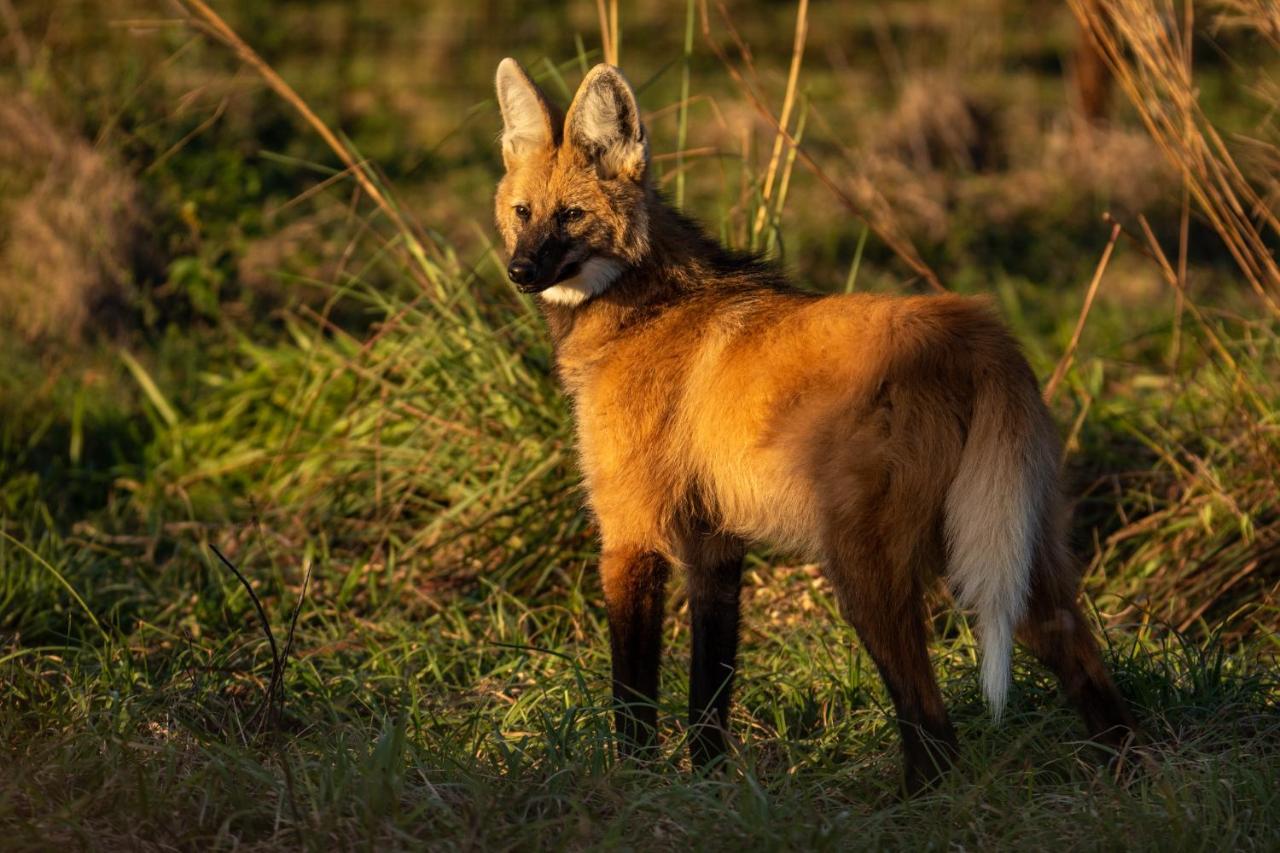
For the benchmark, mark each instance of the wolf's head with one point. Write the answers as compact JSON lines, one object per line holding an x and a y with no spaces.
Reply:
{"x":572,"y":206}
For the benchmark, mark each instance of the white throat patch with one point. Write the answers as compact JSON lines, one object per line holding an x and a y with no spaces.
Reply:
{"x":594,"y":278}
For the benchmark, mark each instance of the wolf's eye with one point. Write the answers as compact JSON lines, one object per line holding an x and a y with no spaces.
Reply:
{"x":522,"y":212}
{"x":571,"y":214}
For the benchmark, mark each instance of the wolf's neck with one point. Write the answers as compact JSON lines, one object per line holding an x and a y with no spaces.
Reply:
{"x":682,"y":261}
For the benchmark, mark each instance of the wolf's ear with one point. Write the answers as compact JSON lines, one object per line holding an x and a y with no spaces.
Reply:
{"x":604,"y":124}
{"x":526,"y":116}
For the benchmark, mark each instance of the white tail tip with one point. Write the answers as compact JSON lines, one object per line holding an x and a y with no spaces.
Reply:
{"x":997,"y":654}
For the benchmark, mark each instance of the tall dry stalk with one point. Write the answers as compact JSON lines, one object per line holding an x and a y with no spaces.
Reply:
{"x":682,"y":122}
{"x":610,"y":36}
{"x":1064,"y":363}
{"x":784,"y":119}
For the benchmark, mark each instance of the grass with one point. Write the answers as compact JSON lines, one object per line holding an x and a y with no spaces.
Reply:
{"x":481,"y":724}
{"x":364,"y":422}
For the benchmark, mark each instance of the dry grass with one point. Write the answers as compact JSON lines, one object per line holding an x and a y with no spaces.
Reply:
{"x":1150,"y":53}
{"x":1259,"y":16}
{"x":936,"y":124}
{"x":1200,"y":529}
{"x":940,"y":156}
{"x":70,"y":224}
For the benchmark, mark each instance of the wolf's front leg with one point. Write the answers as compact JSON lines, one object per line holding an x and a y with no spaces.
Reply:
{"x":714,"y":607}
{"x":634,"y":582}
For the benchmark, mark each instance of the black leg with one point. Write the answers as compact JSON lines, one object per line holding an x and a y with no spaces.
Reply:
{"x":714,"y":608}
{"x":897,"y":640}
{"x":634,"y":582}
{"x":888,"y":614}
{"x":1056,"y":632}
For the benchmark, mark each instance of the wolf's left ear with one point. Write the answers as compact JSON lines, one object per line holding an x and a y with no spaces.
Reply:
{"x":526,"y":116}
{"x":604,"y":124}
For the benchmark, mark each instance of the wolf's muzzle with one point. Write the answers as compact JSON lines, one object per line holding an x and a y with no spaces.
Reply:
{"x":522,"y":272}
{"x":534,"y":272}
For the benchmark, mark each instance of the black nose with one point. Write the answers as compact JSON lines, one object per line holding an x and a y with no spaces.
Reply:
{"x":522,"y":270}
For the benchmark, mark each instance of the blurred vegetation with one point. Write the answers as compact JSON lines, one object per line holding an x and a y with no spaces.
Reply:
{"x":211,"y":337}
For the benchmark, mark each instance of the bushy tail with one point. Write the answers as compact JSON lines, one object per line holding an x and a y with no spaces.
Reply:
{"x":995,"y":510}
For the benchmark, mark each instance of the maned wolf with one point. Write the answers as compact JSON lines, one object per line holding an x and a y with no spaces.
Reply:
{"x":894,"y":439}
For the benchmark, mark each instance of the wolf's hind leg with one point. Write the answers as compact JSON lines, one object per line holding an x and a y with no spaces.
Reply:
{"x":1056,"y":632}
{"x":884,"y":603}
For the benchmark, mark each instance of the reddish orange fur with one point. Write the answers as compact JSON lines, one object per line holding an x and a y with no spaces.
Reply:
{"x":716,"y":406}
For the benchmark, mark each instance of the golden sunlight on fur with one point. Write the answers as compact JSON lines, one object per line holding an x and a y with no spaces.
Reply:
{"x":895,"y":440}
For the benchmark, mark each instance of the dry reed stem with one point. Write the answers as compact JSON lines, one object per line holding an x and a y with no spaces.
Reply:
{"x":608,"y":30}
{"x":1064,"y":363}
{"x":615,"y":33}
{"x":788,"y":168}
{"x":784,"y":120}
{"x":1184,"y":222}
{"x":605,"y":47}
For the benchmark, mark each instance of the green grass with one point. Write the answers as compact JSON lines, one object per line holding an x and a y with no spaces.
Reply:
{"x":287,"y":386}
{"x":483,"y":723}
